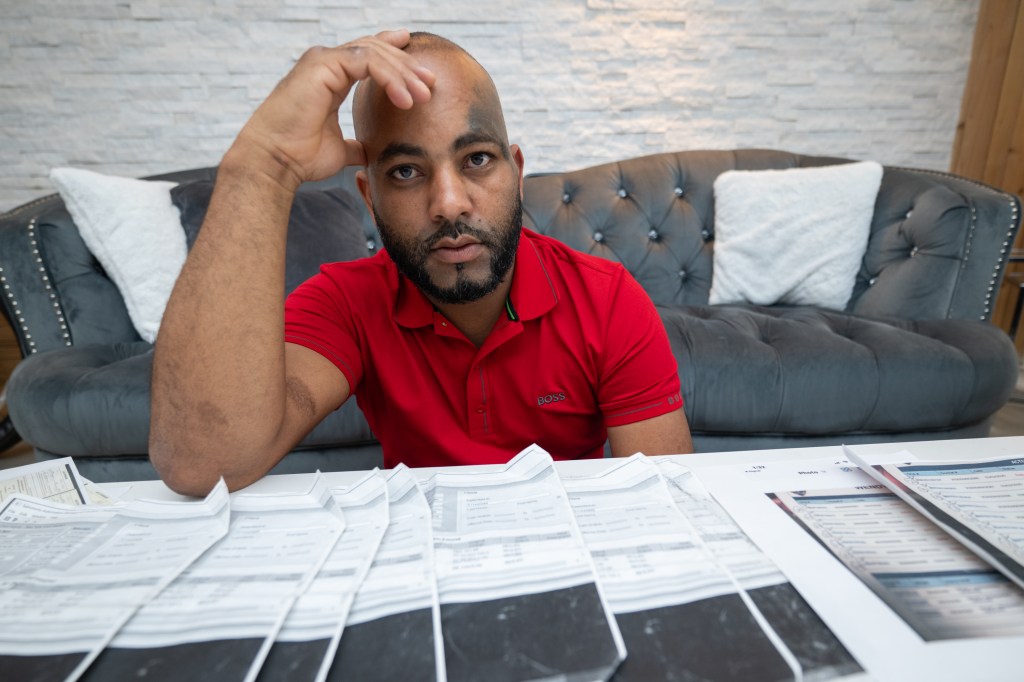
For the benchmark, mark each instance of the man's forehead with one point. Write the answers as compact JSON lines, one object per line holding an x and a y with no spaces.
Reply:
{"x":463,"y":89}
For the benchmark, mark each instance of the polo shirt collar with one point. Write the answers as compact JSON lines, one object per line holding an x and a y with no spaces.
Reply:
{"x":532,"y":294}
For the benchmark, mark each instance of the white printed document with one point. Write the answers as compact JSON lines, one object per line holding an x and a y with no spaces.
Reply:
{"x":223,"y":612}
{"x":665,"y":585}
{"x":57,"y":481}
{"x":307,"y":641}
{"x":393,"y":630}
{"x":515,"y":579}
{"x":864,"y":561}
{"x":936,"y":585}
{"x":980,"y":503}
{"x":775,"y":602}
{"x":73,"y":575}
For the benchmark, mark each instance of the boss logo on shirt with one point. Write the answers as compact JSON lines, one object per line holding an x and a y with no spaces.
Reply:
{"x":550,"y":398}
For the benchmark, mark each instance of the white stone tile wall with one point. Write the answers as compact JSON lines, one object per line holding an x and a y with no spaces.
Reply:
{"x":139,"y":87}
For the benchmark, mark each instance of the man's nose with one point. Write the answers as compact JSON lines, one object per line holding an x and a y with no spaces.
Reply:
{"x":449,"y":196}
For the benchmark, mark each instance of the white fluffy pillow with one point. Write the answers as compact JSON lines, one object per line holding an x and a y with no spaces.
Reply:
{"x":134,"y":231}
{"x":792,"y":236}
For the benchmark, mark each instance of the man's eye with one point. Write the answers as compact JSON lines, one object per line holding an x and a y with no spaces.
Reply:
{"x":478,"y":160}
{"x":403,"y":173}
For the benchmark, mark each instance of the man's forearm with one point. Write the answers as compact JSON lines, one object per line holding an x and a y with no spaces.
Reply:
{"x":220,"y":394}
{"x":218,"y":369}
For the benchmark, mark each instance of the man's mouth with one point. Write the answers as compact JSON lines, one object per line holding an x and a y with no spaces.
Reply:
{"x":459,"y":250}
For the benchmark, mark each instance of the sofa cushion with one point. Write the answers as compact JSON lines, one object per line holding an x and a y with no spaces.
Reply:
{"x":803,"y":370}
{"x":744,"y":369}
{"x":793,"y":236}
{"x":324,"y":226}
{"x":132,"y":229}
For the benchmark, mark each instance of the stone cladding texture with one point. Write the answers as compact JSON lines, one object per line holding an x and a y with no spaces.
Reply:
{"x":138,"y":87}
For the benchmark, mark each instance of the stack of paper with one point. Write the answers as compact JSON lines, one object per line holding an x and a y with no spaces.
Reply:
{"x":637,"y":572}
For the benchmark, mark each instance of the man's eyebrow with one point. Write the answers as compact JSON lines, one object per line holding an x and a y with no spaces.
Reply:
{"x":476,"y":137}
{"x":399,"y":149}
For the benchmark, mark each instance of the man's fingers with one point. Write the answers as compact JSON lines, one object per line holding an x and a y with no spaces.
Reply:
{"x":398,"y":37}
{"x":425,"y":75}
{"x":422,"y":79}
{"x":400,"y":75}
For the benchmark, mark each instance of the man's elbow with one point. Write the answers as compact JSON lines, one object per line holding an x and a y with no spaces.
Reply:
{"x":180,"y":472}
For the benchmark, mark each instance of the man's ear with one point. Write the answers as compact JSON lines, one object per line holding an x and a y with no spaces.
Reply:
{"x":363,"y":183}
{"x":517,"y":156}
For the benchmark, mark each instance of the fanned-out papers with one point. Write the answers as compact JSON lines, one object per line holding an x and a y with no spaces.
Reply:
{"x":519,"y":595}
{"x":627,"y":570}
{"x":72,"y":576}
{"x":393,"y":628}
{"x":307,"y":641}
{"x":818,"y":653}
{"x":666,"y":583}
{"x":979,"y":503}
{"x":223,"y":612}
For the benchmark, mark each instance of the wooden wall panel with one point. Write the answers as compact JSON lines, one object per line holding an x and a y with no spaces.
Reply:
{"x":989,"y":142}
{"x":993,"y":37}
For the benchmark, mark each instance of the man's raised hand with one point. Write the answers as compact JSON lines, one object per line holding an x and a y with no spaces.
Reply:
{"x":294,"y":136}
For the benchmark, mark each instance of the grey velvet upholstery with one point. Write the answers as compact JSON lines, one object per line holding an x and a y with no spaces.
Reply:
{"x":320,"y":227}
{"x":912,"y":358}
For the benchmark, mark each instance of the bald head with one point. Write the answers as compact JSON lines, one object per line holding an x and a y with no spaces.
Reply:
{"x":450,"y":63}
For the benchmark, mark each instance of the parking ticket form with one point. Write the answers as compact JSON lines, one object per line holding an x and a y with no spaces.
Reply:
{"x":979,"y":503}
{"x":940,"y":588}
{"x":397,"y":601}
{"x":94,"y":566}
{"x":56,"y":481}
{"x":664,"y":584}
{"x":223,"y":612}
{"x":307,"y":641}
{"x":908,"y":601}
{"x":514,"y":577}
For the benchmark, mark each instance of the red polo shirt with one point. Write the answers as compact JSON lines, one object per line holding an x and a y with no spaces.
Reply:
{"x":579,"y":348}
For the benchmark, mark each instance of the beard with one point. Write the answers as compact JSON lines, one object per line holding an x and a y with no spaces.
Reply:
{"x":410,"y":255}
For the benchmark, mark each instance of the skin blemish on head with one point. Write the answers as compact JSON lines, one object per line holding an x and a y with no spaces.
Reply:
{"x":485,"y":124}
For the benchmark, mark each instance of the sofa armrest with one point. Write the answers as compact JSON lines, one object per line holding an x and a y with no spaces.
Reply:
{"x":938,"y":248}
{"x":83,"y":401}
{"x":55,"y":293}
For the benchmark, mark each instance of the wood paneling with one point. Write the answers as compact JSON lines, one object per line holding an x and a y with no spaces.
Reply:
{"x":989,"y":142}
{"x":10,"y":355}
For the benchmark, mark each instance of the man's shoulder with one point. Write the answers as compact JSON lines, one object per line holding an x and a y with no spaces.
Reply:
{"x":353,"y":282}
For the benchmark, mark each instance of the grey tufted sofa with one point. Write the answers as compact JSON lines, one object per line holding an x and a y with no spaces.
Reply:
{"x":913,"y":356}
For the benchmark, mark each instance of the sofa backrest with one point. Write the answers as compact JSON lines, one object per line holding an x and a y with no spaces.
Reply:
{"x":937,"y":248}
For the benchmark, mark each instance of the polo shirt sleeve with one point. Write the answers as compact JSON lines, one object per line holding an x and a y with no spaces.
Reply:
{"x":639,"y":378}
{"x":317,"y":315}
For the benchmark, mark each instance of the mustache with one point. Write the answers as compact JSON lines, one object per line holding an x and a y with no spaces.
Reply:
{"x":453,"y":230}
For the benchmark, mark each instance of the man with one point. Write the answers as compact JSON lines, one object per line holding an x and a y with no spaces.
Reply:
{"x":465,"y":341}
